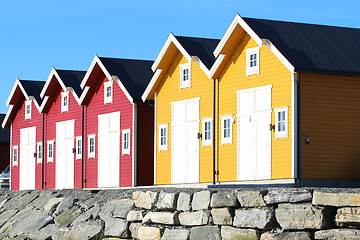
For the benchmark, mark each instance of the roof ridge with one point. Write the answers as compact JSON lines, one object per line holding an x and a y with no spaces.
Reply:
{"x":197,"y":37}
{"x":128,"y":59}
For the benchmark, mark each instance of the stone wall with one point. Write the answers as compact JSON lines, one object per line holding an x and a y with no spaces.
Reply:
{"x":170,"y":213}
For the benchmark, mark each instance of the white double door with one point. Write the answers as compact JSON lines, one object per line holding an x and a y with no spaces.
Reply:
{"x":254,"y":135}
{"x":27,"y":158}
{"x":65,"y":154}
{"x":185,"y":142}
{"x":109,"y":150}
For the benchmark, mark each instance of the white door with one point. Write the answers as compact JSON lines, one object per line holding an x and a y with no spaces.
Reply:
{"x":27,"y":158}
{"x":185,"y":142}
{"x":65,"y":154}
{"x":109,"y":150}
{"x":254,"y":135}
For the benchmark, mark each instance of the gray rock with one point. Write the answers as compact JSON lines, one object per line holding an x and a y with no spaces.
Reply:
{"x":231,"y":233}
{"x":89,"y":203}
{"x":145,"y":199}
{"x":60,"y":234}
{"x":197,"y":218}
{"x":44,"y":233}
{"x":289,"y":195}
{"x":168,"y":218}
{"x":122,"y":208}
{"x":250,"y":198}
{"x":301,"y":216}
{"x":167,"y":201}
{"x":24,"y":213}
{"x":65,"y":203}
{"x":24,"y":200}
{"x":338,"y":234}
{"x":286,"y":236}
{"x":222,"y":216}
{"x":41,"y":200}
{"x":5,"y":216}
{"x":90,"y":214}
{"x":134,"y":228}
{"x":184,"y":202}
{"x":254,"y":218}
{"x":223,"y":199}
{"x":135,"y":216}
{"x":178,"y":234}
{"x":348,"y":217}
{"x":205,"y":232}
{"x":149,"y":233}
{"x":51,"y":203}
{"x":336,"y":199}
{"x":31,"y":223}
{"x":86,"y":230}
{"x":201,"y":200}
{"x":115,"y":227}
{"x":67,"y":216}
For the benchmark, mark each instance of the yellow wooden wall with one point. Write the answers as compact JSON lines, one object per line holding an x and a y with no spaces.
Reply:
{"x":169,"y":91}
{"x":233,"y":78}
{"x":330,"y":114}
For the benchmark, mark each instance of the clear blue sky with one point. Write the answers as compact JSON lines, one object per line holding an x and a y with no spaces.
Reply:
{"x":36,"y":35}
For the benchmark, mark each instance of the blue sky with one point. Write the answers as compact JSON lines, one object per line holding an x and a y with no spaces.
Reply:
{"x":36,"y":35}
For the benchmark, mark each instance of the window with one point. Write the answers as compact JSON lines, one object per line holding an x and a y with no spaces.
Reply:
{"x":163,"y":136}
{"x":126,"y":141}
{"x":226,"y":129}
{"x":91,"y":146}
{"x":50,"y":151}
{"x":39,"y":152}
{"x":281,"y":122}
{"x":207,"y":131}
{"x":28,"y":109}
{"x":65,"y":101}
{"x":108,"y":92}
{"x":252,"y":61}
{"x":185,"y":75}
{"x":78,"y":147}
{"x":15,"y":155}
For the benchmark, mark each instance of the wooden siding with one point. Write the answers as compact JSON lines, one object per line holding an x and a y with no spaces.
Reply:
{"x":330,"y":114}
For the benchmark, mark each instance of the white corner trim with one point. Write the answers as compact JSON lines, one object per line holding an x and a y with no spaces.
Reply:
{"x":83,"y":95}
{"x":151,"y":84}
{"x":6,"y":118}
{"x":279,"y":55}
{"x":216,"y":65}
{"x":47,"y":83}
{"x":127,"y":94}
{"x":89,"y":71}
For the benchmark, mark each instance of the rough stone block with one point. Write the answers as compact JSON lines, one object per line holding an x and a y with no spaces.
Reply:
{"x":24,"y":200}
{"x":145,"y":199}
{"x":223,"y":199}
{"x":134,"y":228}
{"x":194,"y":218}
{"x":254,"y":218}
{"x":178,"y":234}
{"x":65,"y":204}
{"x":289,"y":195}
{"x":201,"y":200}
{"x":286,"y":236}
{"x":5,"y":216}
{"x":67,"y":216}
{"x":167,"y":201}
{"x":122,"y":208}
{"x":301,"y":216}
{"x":222,"y":216}
{"x":184,"y":202}
{"x":92,"y":213}
{"x":53,"y":202}
{"x":149,"y":233}
{"x":348,"y":217}
{"x":134,"y":216}
{"x":250,"y":198}
{"x":115,"y":227}
{"x":168,"y":218}
{"x":205,"y":232}
{"x":86,"y":230}
{"x":231,"y":233}
{"x":336,"y":199}
{"x":44,"y":233}
{"x":338,"y":234}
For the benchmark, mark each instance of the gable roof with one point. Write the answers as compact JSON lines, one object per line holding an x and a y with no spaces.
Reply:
{"x":33,"y":88}
{"x":72,"y":78}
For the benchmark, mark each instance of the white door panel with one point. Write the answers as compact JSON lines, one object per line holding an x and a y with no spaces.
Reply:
{"x":27,"y":158}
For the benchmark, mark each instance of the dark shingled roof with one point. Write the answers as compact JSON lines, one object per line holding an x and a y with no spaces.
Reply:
{"x":72,"y":79}
{"x":313,"y":48}
{"x":133,"y":74}
{"x":4,"y":132}
{"x":200,"y":47}
{"x":33,"y":88}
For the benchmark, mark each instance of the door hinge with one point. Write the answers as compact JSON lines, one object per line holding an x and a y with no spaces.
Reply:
{"x":272,"y":127}
{"x":199,"y":135}
{"x":74,"y":150}
{"x":35,"y":155}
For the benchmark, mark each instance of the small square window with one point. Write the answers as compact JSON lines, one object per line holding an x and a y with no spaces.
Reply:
{"x":185,"y":75}
{"x":78,"y":147}
{"x":28,"y":109}
{"x":281,"y":122}
{"x":126,"y":141}
{"x":15,"y":155}
{"x":207,"y":131}
{"x":226,"y":129}
{"x":108,"y":92}
{"x":252,"y":61}
{"x":39,"y":152}
{"x":65,"y":101}
{"x":163,"y":137}
{"x":50,"y":151}
{"x":91,"y":146}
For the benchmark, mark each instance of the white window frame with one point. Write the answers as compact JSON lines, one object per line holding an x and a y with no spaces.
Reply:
{"x":278,"y":133}
{"x":28,"y":114}
{"x":187,"y":83}
{"x":207,"y":142}
{"x":165,"y":146}
{"x":65,"y":96}
{"x":38,"y":152}
{"x":78,"y":153}
{"x":108,"y":99}
{"x":252,"y":70}
{"x":15,"y":162}
{"x":92,"y":154}
{"x":50,"y":158}
{"x":227,"y":140}
{"x":123,"y":149}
